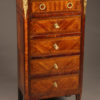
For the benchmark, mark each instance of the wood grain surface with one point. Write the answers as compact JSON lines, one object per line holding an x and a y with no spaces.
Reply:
{"x":45,"y":86}
{"x":69,"y":24}
{"x":37,"y":55}
{"x":20,"y":43}
{"x":45,"y":47}
{"x":55,"y":6}
{"x":46,"y":67}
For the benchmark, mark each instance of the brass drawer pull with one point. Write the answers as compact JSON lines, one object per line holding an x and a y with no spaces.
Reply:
{"x":56,"y":47}
{"x":69,"y":5}
{"x":55,"y":66}
{"x":55,"y":84}
{"x":85,"y":4}
{"x":56,"y":25}
{"x":42,"y":6}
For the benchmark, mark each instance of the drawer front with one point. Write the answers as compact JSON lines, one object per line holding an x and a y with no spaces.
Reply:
{"x":54,"y":66}
{"x":55,"y":6}
{"x":54,"y":46}
{"x":53,"y":86}
{"x":68,"y":24}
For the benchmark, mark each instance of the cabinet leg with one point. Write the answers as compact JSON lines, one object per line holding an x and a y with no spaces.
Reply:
{"x":68,"y":96}
{"x":20,"y":96}
{"x":34,"y":98}
{"x":78,"y":96}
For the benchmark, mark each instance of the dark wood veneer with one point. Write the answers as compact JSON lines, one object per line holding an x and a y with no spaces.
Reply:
{"x":20,"y":46}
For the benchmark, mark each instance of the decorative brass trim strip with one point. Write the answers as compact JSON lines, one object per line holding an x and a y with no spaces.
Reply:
{"x":85,"y":4}
{"x":25,"y":7}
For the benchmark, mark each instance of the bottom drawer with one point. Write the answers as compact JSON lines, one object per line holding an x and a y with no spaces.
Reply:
{"x":54,"y":86}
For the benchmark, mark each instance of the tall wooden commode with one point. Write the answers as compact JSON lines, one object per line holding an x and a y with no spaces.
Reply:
{"x":50,"y":48}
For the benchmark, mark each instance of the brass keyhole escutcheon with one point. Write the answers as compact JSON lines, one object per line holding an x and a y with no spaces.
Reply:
{"x":55,"y":66}
{"x":55,"y":84}
{"x":56,"y":25}
{"x":56,"y":47}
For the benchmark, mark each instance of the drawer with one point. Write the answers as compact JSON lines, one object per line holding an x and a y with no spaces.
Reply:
{"x":54,"y":46}
{"x":54,"y":66}
{"x":69,"y":24}
{"x":54,"y":86}
{"x":50,"y":6}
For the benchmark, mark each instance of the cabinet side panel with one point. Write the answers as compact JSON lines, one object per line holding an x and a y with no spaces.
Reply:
{"x":20,"y":40}
{"x":22,"y":22}
{"x":82,"y":46}
{"x":19,"y":4}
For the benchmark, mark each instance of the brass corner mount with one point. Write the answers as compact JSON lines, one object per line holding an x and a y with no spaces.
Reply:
{"x":85,"y":5}
{"x":25,"y":7}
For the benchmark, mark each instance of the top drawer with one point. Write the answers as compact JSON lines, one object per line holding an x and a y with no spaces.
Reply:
{"x":47,"y":6}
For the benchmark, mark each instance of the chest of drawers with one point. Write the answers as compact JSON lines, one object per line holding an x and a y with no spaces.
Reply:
{"x":50,"y":48}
